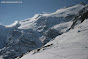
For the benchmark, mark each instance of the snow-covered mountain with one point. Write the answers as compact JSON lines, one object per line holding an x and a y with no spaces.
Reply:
{"x":70,"y":45}
{"x":35,"y":33}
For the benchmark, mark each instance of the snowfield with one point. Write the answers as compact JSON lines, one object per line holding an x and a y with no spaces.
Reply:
{"x":70,"y":45}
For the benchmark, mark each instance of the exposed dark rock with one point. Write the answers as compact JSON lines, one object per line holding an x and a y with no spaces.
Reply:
{"x":81,"y":16}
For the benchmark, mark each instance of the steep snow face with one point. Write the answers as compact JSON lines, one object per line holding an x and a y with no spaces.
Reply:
{"x":32,"y":33}
{"x":12,"y":25}
{"x":70,"y":45}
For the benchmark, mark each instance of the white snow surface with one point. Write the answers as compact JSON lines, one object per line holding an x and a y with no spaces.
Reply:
{"x":1,"y":57}
{"x":13,"y":24}
{"x":70,"y":45}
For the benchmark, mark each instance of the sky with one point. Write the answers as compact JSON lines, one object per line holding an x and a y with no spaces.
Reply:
{"x":10,"y":12}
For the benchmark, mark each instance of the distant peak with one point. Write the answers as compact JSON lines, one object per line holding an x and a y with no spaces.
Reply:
{"x":82,"y":3}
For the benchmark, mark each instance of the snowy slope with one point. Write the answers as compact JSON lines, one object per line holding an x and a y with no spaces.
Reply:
{"x":33,"y":33}
{"x":70,"y":45}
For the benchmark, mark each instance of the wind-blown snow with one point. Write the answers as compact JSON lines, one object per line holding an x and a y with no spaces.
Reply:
{"x":13,"y":24}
